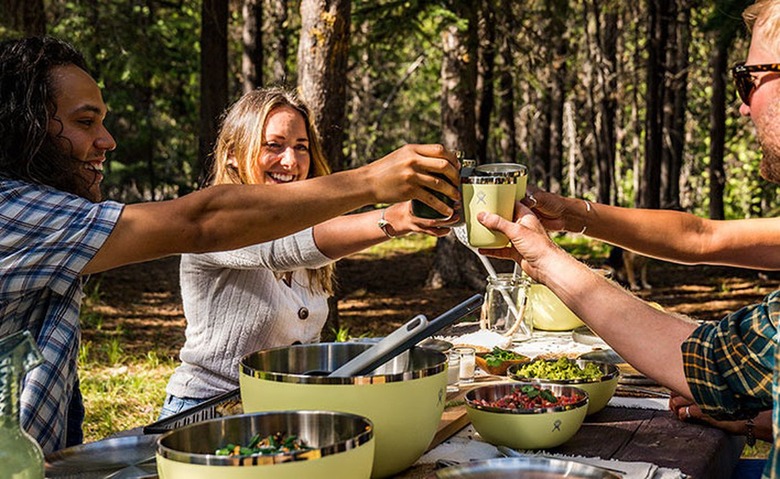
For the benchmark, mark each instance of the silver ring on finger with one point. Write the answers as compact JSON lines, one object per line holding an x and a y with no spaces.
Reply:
{"x":531,"y":198}
{"x":687,"y":412}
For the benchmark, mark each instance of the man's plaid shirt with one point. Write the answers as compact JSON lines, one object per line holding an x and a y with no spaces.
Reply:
{"x":730,"y":367}
{"x":46,"y":238}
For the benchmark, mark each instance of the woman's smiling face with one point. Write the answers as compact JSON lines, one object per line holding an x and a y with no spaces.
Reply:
{"x":284,"y":155}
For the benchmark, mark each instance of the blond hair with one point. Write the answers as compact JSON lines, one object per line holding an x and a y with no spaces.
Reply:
{"x":764,"y":13}
{"x":239,"y":140}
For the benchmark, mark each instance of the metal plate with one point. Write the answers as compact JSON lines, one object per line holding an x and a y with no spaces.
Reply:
{"x":511,"y":468}
{"x":584,"y":335}
{"x":121,"y":457}
{"x":628,"y":375}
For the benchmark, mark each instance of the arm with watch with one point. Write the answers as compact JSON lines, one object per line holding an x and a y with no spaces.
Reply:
{"x":349,"y":234}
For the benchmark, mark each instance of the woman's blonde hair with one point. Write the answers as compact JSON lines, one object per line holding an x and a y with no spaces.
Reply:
{"x":239,"y":140}
{"x":764,"y":12}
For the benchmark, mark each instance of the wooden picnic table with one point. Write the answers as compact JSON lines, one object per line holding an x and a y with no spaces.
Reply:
{"x":632,"y":435}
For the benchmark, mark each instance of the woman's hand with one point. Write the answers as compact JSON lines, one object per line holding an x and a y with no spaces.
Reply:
{"x":413,"y":172}
{"x":548,"y":207}
{"x":403,"y":221}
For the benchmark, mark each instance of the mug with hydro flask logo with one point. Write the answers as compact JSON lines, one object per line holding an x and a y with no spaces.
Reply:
{"x":494,"y":194}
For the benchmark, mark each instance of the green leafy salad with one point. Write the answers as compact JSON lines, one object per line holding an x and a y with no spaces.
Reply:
{"x":562,"y":370}
{"x":278,"y":443}
{"x":497,"y":356}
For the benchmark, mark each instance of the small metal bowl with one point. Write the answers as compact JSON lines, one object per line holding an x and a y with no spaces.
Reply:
{"x":334,"y":439}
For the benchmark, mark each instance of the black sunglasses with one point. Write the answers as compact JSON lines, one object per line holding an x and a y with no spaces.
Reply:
{"x":746,"y":82}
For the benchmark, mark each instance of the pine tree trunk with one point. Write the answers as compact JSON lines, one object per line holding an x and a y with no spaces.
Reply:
{"x":27,"y":17}
{"x":719,"y":68}
{"x":675,"y":105}
{"x":322,"y":78}
{"x":277,"y":39}
{"x":505,"y":94}
{"x":322,"y":69}
{"x":606,"y":129}
{"x":454,"y":264}
{"x":252,"y":39}
{"x":649,"y":194}
{"x":213,"y":76}
{"x":485,"y":90}
{"x":558,"y":11}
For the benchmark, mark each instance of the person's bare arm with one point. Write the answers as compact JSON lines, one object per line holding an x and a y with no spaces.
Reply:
{"x":686,"y":410}
{"x":349,"y":234}
{"x":666,"y":234}
{"x":645,"y":337}
{"x":229,"y":217}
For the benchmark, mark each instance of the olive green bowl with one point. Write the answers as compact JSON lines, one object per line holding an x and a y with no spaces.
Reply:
{"x":340,"y":445}
{"x":539,"y":428}
{"x":599,"y":390}
{"x":548,"y":312}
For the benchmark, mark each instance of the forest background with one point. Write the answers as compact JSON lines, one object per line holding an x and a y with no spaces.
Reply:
{"x":627,"y":103}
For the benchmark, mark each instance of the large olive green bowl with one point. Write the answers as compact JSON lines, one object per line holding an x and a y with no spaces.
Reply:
{"x":548,"y":312}
{"x":539,"y":428}
{"x":599,"y":390}
{"x":340,"y":445}
{"x":404,"y":398}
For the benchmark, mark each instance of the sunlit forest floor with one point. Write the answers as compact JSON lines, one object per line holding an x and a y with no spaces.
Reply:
{"x":133,"y":324}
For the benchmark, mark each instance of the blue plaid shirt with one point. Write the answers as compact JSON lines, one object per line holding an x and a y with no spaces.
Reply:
{"x":730,"y":367}
{"x":47,"y":237}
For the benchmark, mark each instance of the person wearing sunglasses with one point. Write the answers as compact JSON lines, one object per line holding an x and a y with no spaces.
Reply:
{"x":727,"y":368}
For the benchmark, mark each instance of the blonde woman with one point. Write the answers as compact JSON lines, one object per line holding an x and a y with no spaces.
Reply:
{"x":271,"y":294}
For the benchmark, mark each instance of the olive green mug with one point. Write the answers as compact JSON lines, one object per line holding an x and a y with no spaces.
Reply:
{"x":494,"y":194}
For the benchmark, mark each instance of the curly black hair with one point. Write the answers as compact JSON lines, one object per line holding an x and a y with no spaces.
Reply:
{"x":27,"y":103}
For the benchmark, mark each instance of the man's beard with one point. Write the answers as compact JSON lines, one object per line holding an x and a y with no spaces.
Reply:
{"x":770,"y":162}
{"x":89,"y":188}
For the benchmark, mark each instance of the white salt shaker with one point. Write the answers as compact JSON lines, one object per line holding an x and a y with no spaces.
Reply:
{"x":467,"y":364}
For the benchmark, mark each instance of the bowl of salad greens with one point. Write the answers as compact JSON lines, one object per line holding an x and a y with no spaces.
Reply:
{"x":498,"y":360}
{"x":598,"y":379}
{"x":278,"y":444}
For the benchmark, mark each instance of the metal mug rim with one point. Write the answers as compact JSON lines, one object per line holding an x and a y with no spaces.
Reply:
{"x":490,"y":180}
{"x":511,"y":169}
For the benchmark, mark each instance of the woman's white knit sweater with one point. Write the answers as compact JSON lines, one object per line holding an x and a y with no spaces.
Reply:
{"x":235,"y":305}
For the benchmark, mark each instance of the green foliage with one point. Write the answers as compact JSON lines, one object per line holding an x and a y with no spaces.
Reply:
{"x":146,"y":56}
{"x":581,"y":246}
